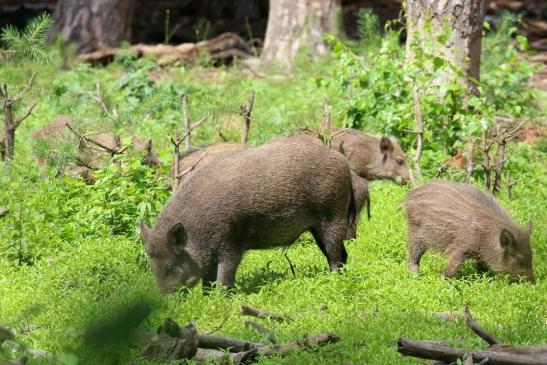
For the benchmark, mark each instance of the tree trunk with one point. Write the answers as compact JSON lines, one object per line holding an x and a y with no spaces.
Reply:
{"x":294,"y":24}
{"x":93,"y":24}
{"x":463,"y":47}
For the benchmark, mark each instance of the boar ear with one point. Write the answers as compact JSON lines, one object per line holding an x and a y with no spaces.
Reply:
{"x":177,"y":236}
{"x":506,"y":238}
{"x":385,"y":144}
{"x":145,"y":232}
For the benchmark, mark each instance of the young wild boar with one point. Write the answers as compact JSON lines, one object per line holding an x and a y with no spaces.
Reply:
{"x":258,"y":198}
{"x":372,"y":157}
{"x":464,"y":222}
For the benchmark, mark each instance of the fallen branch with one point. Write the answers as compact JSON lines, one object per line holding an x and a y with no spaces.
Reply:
{"x":262,"y":330}
{"x":259,"y":313}
{"x":495,"y":354}
{"x":499,"y":356}
{"x":208,"y":356}
{"x":228,"y":343}
{"x":223,"y":48}
{"x":481,"y":332}
{"x":3,"y":212}
{"x":305,"y":343}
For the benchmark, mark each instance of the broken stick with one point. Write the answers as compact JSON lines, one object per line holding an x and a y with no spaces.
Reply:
{"x":259,"y":313}
{"x":262,"y":330}
{"x":221,"y":342}
{"x":481,"y":332}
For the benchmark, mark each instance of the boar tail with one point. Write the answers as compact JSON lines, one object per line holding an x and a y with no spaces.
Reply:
{"x":353,"y":215}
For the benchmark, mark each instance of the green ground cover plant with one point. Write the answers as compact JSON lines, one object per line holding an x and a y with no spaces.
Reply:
{"x":70,"y":253}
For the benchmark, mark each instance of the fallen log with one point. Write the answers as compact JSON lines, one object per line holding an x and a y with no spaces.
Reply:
{"x":223,"y":48}
{"x":259,"y":313}
{"x":432,"y":350}
{"x":171,"y":343}
{"x":231,"y":344}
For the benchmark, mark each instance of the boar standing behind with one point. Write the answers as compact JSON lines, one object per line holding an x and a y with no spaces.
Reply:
{"x":464,"y":222}
{"x":255,"y":199}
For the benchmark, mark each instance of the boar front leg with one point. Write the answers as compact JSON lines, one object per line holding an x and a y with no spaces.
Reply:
{"x":228,"y":261}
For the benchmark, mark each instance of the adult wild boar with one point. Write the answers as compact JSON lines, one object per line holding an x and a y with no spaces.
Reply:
{"x":464,"y":222}
{"x":258,"y":198}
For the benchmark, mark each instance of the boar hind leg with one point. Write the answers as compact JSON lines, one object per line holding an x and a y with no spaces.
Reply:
{"x":454,"y":263}
{"x":415,"y":253}
{"x":330,"y":239}
{"x":228,"y":262}
{"x":415,"y":250}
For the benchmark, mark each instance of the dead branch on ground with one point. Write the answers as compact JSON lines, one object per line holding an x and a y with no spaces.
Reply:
{"x":495,"y":354}
{"x":113,"y":151}
{"x":3,"y":212}
{"x":260,"y":313}
{"x":246,"y":111}
{"x":221,"y":49}
{"x":262,"y":330}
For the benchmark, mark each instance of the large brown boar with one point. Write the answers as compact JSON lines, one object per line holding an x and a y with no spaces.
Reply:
{"x":258,"y":198}
{"x":464,"y":222}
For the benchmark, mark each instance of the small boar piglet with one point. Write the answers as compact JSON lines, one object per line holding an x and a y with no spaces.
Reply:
{"x":464,"y":222}
{"x":255,"y":199}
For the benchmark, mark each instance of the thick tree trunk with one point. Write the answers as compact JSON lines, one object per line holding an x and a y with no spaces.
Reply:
{"x":93,"y":24}
{"x":463,"y":47}
{"x":294,"y":24}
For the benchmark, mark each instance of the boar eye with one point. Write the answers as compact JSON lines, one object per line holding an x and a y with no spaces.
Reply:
{"x":400,"y":161}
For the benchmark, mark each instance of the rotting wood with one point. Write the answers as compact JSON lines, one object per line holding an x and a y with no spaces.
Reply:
{"x":262,"y":330}
{"x":228,"y":343}
{"x":260,"y":313}
{"x":223,"y":48}
{"x":246,"y":114}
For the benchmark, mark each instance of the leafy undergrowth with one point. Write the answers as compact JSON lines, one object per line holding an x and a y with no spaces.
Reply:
{"x":70,"y":253}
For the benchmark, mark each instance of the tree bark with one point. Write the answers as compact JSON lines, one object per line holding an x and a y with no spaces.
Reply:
{"x":463,"y":47}
{"x":294,"y":24}
{"x":93,"y":24}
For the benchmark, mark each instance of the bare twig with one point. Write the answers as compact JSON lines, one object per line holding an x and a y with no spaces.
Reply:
{"x":509,"y":184}
{"x":102,"y":146}
{"x":486,"y":159}
{"x":176,"y":144}
{"x":419,"y":136}
{"x":99,"y":100}
{"x":25,"y":116}
{"x":470,"y":167}
{"x":259,"y":313}
{"x":221,"y":135}
{"x":325,"y":128}
{"x":191,"y":168}
{"x":262,"y":330}
{"x":187,"y":123}
{"x":481,"y":332}
{"x":246,"y":114}
{"x":217,"y":328}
